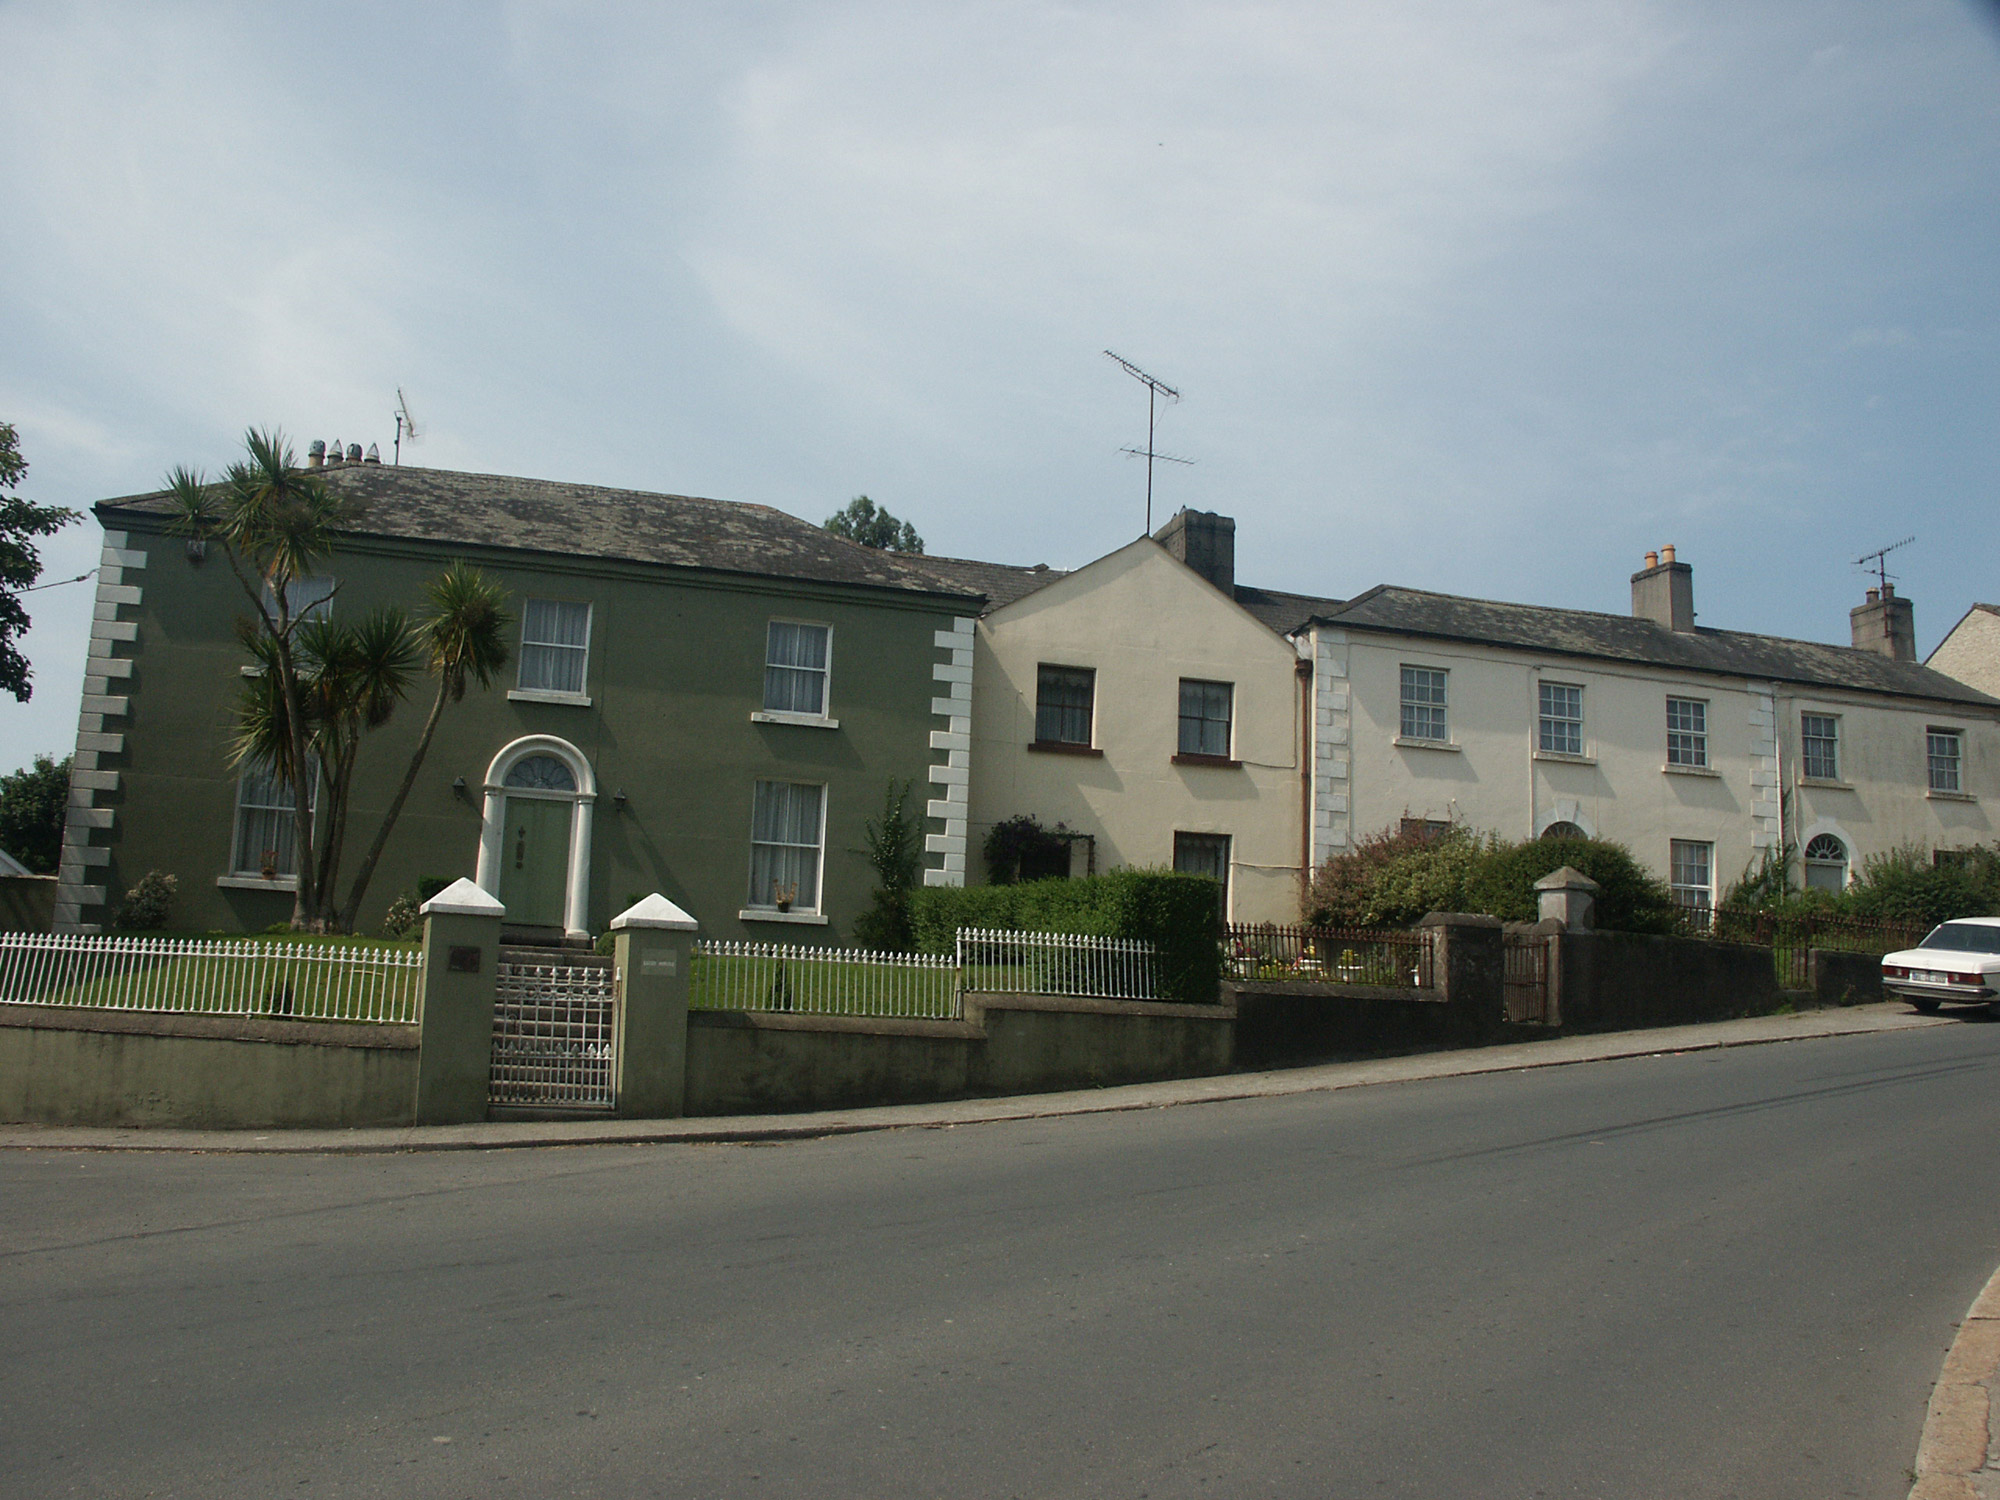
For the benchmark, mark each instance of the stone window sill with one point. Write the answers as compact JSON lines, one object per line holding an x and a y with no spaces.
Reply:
{"x":1708,"y":771}
{"x":1220,"y":762}
{"x":547,"y":695}
{"x":1566,"y":757}
{"x":285,"y":883}
{"x":1827,"y":781}
{"x":1937,"y":796}
{"x":772,"y":914}
{"x":804,"y":721}
{"x":1059,"y":747}
{"x":1410,"y":744}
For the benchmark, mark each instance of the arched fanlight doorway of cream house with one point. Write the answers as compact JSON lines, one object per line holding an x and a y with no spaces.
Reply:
{"x":534,"y":839}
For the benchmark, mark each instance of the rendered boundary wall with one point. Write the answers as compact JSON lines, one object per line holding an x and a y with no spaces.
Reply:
{"x":27,"y":903}
{"x":1599,"y":981}
{"x":61,"y":1066}
{"x":754,"y":1062}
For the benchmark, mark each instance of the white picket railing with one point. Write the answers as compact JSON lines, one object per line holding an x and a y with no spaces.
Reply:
{"x":823,"y":981}
{"x":208,"y":976}
{"x":1055,"y":963}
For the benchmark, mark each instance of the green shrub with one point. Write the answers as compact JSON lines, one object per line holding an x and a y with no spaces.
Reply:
{"x":892,"y":851}
{"x":403,"y":920}
{"x":148,"y":904}
{"x":1629,"y":899}
{"x":1176,"y":913}
{"x":1019,"y":849}
{"x":1904,"y":884}
{"x":1343,"y":892}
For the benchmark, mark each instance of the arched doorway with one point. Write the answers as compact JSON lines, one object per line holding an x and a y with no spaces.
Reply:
{"x":534,"y":842}
{"x":1826,"y":864}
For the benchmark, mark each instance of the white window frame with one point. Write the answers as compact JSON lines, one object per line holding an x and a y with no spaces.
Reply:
{"x":1545,"y":721}
{"x":767,"y":909}
{"x":580,"y":697}
{"x":243,"y":875}
{"x":1940,"y":767}
{"x":1414,"y":711}
{"x":769,"y":715}
{"x":1688,"y":894}
{"x":1694,"y":740}
{"x":1830,"y":740}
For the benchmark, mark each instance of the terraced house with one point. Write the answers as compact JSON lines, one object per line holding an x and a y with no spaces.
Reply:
{"x":704,"y":699}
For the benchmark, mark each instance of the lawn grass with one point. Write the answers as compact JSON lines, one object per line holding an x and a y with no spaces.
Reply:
{"x":821,"y":987}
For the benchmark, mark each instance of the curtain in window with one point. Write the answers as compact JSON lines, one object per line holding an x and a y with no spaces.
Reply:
{"x":795,"y":669}
{"x":555,"y":642}
{"x":266,"y":839}
{"x":784,"y":844}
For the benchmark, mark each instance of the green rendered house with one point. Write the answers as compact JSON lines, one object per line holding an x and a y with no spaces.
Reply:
{"x":705,"y":699}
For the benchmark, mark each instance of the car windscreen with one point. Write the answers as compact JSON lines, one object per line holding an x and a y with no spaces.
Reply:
{"x":1964,"y":937}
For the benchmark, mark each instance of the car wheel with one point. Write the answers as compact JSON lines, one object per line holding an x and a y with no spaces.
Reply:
{"x":1924,"y":1003}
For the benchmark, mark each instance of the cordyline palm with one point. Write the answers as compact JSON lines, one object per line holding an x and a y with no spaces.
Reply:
{"x":463,"y":636}
{"x":349,"y":680}
{"x":273,"y":522}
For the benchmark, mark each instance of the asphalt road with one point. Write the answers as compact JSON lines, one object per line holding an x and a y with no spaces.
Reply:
{"x":1728,"y":1273}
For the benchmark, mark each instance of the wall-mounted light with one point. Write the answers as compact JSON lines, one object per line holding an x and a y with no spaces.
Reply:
{"x":618,"y":799}
{"x":197,"y":549}
{"x":458,"y":789}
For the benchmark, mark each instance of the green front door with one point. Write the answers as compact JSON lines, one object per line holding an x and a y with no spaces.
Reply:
{"x":534,"y":862}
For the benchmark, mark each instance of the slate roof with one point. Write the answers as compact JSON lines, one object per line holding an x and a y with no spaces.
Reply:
{"x":1001,"y":583}
{"x":584,"y":520}
{"x":1284,"y":612}
{"x":1586,"y":633}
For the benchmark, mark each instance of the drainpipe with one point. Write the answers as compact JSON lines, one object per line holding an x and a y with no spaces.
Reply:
{"x":1304,"y":670}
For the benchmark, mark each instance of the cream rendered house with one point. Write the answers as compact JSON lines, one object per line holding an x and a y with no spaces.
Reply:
{"x":1137,"y":703}
{"x":1698,"y":748}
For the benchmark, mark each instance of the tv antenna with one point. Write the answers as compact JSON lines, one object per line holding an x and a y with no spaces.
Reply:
{"x":1878,"y":561}
{"x":406,"y":425}
{"x":1155,"y":388}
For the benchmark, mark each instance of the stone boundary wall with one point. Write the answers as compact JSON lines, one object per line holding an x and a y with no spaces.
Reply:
{"x":755,"y":1062}
{"x":27,"y":903}
{"x":66,"y":1066}
{"x":1600,"y":981}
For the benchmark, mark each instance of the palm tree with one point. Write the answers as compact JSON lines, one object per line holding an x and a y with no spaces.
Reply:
{"x":463,"y":636}
{"x":273,"y":522}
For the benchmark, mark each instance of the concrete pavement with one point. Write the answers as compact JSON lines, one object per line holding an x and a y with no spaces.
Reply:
{"x":501,"y":1134}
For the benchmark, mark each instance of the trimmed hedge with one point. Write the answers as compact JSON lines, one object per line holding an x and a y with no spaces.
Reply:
{"x":1176,"y":913}
{"x":1629,"y":899}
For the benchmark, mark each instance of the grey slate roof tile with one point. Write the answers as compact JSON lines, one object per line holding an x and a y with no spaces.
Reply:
{"x":583,"y":520}
{"x":1586,"y":633}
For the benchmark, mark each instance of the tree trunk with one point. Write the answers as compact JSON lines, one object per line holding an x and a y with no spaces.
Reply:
{"x":352,"y":911}
{"x":305,"y":904}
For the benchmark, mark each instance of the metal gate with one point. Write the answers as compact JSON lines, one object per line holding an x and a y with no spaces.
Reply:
{"x":553,"y":1034}
{"x":1526,"y":985}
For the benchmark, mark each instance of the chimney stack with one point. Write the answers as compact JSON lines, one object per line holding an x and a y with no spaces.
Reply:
{"x":1206,"y":542}
{"x":1886,"y":624}
{"x":1663,"y":591}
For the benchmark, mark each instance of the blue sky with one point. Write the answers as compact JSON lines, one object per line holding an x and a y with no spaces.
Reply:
{"x":1486,"y":298}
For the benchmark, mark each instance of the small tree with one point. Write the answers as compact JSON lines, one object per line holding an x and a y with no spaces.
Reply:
{"x":892,"y":850}
{"x":20,"y":563}
{"x":33,"y":803}
{"x":463,"y":637}
{"x":149,"y":903}
{"x":273,"y":522}
{"x":862,"y":522}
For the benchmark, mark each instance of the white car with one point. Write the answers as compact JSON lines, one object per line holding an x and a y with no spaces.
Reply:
{"x":1958,"y":964}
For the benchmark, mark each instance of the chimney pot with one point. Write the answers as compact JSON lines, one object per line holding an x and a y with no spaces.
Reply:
{"x":1667,"y":553}
{"x":334,"y":451}
{"x":374,"y":455}
{"x":354,"y":453}
{"x":316,"y":454}
{"x":1652,"y":559}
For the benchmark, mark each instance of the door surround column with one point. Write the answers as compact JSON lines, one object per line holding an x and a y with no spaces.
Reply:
{"x":492,"y":830}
